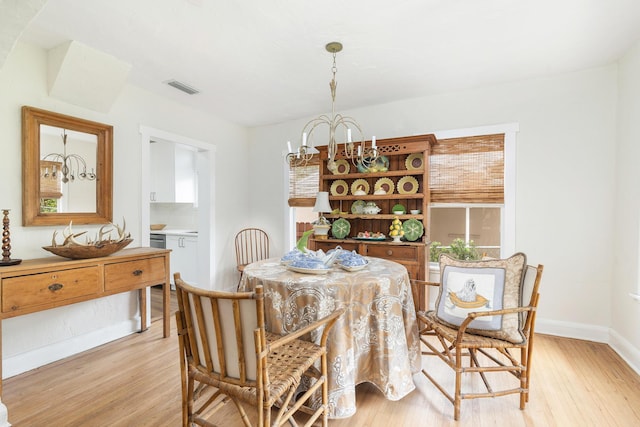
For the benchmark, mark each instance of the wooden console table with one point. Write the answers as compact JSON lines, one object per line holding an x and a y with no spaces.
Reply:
{"x":44,"y":283}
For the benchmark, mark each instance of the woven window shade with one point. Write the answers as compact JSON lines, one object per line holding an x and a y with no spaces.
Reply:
{"x":50,"y":187}
{"x":304,"y":182}
{"x":467,"y":170}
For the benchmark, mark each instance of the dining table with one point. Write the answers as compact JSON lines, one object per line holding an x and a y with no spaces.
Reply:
{"x":375,"y":341}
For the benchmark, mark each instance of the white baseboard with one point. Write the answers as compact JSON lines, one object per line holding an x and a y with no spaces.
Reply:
{"x":581,"y":331}
{"x":629,"y":353}
{"x":36,"y":358}
{"x":626,"y":350}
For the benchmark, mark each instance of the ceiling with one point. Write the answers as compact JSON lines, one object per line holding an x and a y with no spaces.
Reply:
{"x":260,"y":62}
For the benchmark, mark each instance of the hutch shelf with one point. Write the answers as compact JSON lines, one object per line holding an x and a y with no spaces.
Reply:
{"x":408,"y":173}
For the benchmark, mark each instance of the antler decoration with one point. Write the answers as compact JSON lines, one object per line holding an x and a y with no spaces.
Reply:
{"x":102,"y":238}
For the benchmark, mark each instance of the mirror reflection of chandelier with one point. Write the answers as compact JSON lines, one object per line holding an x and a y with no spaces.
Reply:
{"x":358,"y":152}
{"x":72,"y":166}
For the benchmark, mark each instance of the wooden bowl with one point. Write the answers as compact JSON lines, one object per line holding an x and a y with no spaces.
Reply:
{"x":84,"y":252}
{"x":158,"y":226}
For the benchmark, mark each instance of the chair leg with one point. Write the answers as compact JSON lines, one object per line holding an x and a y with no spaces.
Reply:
{"x":239,"y":281}
{"x":188,"y":414}
{"x":524,"y":378}
{"x":267,"y":417}
{"x":529,"y":353}
{"x":243,"y":413}
{"x":458,"y":385}
{"x":325,"y":391}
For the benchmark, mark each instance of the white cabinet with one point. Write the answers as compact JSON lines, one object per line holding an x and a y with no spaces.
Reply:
{"x":173,"y":173}
{"x":184,"y":257}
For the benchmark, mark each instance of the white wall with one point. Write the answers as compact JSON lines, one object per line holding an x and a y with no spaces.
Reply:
{"x":565,"y":179}
{"x":32,"y":340}
{"x":626,"y":266}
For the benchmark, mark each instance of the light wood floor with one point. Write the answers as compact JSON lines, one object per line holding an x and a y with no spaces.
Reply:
{"x":134,"y":382}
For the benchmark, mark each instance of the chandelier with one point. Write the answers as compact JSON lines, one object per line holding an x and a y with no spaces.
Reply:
{"x":338,"y":125}
{"x":71,"y":165}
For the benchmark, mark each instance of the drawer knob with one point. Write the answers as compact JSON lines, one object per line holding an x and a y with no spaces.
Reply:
{"x":55,"y":287}
{"x":389,"y":252}
{"x":137,"y":272}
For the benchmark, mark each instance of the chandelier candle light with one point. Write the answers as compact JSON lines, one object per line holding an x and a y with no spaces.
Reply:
{"x":68,"y":161}
{"x":321,"y":226}
{"x":338,"y":124}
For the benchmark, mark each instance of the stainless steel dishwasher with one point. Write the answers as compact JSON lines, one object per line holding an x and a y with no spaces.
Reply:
{"x":158,"y":240}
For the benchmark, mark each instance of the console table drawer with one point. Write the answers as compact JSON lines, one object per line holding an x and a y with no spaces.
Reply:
{"x":49,"y":288}
{"x":134,"y":274}
{"x":393,"y":253}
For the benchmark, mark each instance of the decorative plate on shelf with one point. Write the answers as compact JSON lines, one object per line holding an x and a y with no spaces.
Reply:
{"x":414,"y":161}
{"x":342,"y":167}
{"x":357,"y":207}
{"x":340,"y":228}
{"x":413,"y":229}
{"x":384,"y":184}
{"x":360,"y":184}
{"x":407,"y":185}
{"x":339,"y":187}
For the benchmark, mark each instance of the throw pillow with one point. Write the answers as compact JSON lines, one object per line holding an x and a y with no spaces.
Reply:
{"x":485,"y":285}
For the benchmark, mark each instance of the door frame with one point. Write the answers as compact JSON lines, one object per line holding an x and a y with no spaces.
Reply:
{"x":205,"y":165}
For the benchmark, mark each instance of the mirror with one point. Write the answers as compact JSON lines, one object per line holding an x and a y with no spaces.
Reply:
{"x":66,"y":169}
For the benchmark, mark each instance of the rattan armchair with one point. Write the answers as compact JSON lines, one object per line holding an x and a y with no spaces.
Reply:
{"x":226,"y":354}
{"x":488,"y":357}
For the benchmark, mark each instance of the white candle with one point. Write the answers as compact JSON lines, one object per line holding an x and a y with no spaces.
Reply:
{"x":373,"y":142}
{"x":289,"y":147}
{"x":304,"y":139}
{"x":348,"y":134}
{"x":298,"y":152}
{"x":359,"y":150}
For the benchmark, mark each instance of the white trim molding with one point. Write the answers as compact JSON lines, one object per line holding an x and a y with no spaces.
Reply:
{"x":581,"y":331}
{"x":626,"y":350}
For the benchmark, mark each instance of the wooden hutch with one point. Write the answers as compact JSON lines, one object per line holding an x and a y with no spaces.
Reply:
{"x":412,"y":254}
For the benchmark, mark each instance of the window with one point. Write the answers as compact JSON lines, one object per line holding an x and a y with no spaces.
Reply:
{"x":476,"y":225}
{"x":472,"y":190}
{"x":48,"y":205}
{"x":303,"y":183}
{"x":303,"y":187}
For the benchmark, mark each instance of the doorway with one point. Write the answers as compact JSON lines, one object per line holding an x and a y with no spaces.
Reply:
{"x":205,"y":174}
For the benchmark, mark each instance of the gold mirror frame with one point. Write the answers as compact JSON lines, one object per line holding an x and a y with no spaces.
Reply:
{"x":32,"y":118}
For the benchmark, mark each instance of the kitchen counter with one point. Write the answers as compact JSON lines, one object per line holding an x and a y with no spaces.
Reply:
{"x":175,"y":232}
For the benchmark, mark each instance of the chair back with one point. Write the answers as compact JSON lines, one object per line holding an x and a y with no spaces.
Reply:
{"x":530,"y":291}
{"x":252,"y":244}
{"x":219,"y":331}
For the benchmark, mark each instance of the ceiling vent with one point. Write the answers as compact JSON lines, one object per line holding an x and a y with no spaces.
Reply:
{"x":183,"y":87}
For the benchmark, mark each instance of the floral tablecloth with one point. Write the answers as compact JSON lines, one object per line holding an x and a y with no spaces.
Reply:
{"x":375,"y":341}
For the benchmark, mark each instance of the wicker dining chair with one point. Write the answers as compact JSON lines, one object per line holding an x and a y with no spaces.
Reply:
{"x":252,"y":244}
{"x":489,"y":351}
{"x":226,"y":354}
